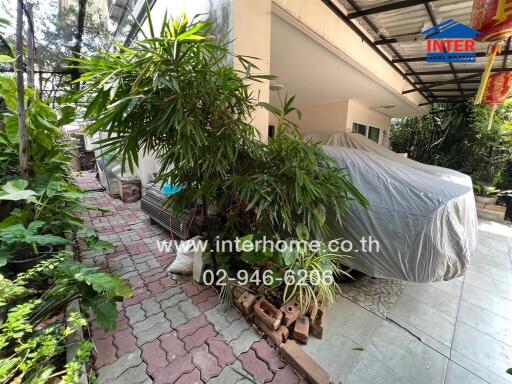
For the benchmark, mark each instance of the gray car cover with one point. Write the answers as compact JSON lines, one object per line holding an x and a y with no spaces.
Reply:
{"x":423,"y":218}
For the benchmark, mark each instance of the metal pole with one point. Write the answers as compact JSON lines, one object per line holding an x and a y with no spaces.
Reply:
{"x":31,"y":43}
{"x":20,"y":84}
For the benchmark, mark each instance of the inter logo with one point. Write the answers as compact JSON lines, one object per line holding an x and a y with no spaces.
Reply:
{"x":450,"y":42}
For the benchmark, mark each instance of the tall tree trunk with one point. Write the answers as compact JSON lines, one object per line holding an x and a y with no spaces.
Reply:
{"x":77,"y":48}
{"x":31,"y":45}
{"x":21,"y":102}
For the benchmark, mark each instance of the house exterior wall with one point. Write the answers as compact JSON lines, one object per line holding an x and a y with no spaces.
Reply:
{"x":338,"y":117}
{"x":218,"y":11}
{"x":321,"y":24}
{"x":251,"y":37}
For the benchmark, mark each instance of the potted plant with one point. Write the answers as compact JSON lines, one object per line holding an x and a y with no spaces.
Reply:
{"x":23,"y":247}
{"x":485,"y":194}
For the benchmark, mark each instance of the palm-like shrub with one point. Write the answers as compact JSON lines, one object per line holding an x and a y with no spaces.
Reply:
{"x":174,"y":94}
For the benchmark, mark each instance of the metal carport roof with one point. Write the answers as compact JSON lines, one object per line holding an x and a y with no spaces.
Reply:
{"x":392,"y":28}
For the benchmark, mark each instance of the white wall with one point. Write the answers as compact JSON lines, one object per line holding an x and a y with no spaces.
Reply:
{"x":219,"y":11}
{"x":358,"y":113}
{"x":338,"y":117}
{"x":335,"y":34}
{"x":251,"y":37}
{"x":329,"y":118}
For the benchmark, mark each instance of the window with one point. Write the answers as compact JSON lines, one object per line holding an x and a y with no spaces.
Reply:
{"x":271,"y":131}
{"x":359,"y":128}
{"x":373,"y":134}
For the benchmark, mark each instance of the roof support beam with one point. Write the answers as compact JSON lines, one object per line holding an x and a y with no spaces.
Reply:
{"x":337,"y":11}
{"x":432,"y":84}
{"x":387,"y":8}
{"x":398,"y":39}
{"x":505,"y":53}
{"x":449,"y":72}
{"x":469,"y":81}
{"x":444,"y":90}
{"x":435,"y":101}
{"x":434,"y":22}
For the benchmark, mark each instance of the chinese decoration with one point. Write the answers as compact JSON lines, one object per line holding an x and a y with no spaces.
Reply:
{"x":493,"y":19}
{"x":497,"y":91}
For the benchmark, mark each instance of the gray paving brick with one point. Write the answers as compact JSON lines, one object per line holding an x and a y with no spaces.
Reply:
{"x":135,"y":314}
{"x":174,"y":300}
{"x":151,"y":328}
{"x":189,"y":309}
{"x":221,"y":319}
{"x":151,"y":306}
{"x":230,"y":375}
{"x":108,"y":373}
{"x":235,"y":329}
{"x":135,"y":375}
{"x":175,"y":316}
{"x":244,"y":341}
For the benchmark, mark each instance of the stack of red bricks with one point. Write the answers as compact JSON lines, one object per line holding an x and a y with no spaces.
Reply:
{"x":279,"y":324}
{"x":129,"y":188}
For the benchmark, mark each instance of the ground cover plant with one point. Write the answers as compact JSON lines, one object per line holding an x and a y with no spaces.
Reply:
{"x":38,"y":278}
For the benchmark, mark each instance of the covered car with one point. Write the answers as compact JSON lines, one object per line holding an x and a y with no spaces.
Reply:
{"x":423,"y":218}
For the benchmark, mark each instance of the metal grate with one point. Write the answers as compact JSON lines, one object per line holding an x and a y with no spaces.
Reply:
{"x":153,"y":204}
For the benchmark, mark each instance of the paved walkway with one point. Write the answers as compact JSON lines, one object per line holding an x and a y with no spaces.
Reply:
{"x":454,"y":332}
{"x":172,"y":330}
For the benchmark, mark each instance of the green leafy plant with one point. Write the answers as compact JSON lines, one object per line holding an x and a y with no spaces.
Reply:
{"x":174,"y":94}
{"x":98,"y":291}
{"x":457,"y":136}
{"x":311,"y":278}
{"x":504,"y":179}
{"x":303,"y":270}
{"x":16,"y":238}
{"x":30,"y":355}
{"x":47,"y":151}
{"x":47,"y":214}
{"x":485,"y":190}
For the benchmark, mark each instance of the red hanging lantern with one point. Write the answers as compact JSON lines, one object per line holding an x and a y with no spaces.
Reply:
{"x":493,"y":19}
{"x":497,"y":91}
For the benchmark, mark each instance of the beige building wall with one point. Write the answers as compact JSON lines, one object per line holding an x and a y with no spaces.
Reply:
{"x":338,"y":117}
{"x":324,"y":118}
{"x":251,"y":37}
{"x":321,"y":24}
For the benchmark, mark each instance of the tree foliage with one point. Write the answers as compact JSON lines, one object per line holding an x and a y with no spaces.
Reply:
{"x":457,"y":136}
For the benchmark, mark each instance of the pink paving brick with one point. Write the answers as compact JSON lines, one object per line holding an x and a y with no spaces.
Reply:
{"x":192,"y":326}
{"x":191,"y":288}
{"x":193,"y":377}
{"x":155,"y":277}
{"x":286,"y":375}
{"x":179,"y":367}
{"x":155,"y":287}
{"x":122,"y":321}
{"x":269,"y":355}
{"x":154,"y":356}
{"x":125,"y":342}
{"x":255,"y":366}
{"x":199,"y":337}
{"x":209,"y":304}
{"x":203,"y":296}
{"x":136,"y":299}
{"x":173,"y":346}
{"x":221,"y":351}
{"x":105,"y":352}
{"x":205,"y":362}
